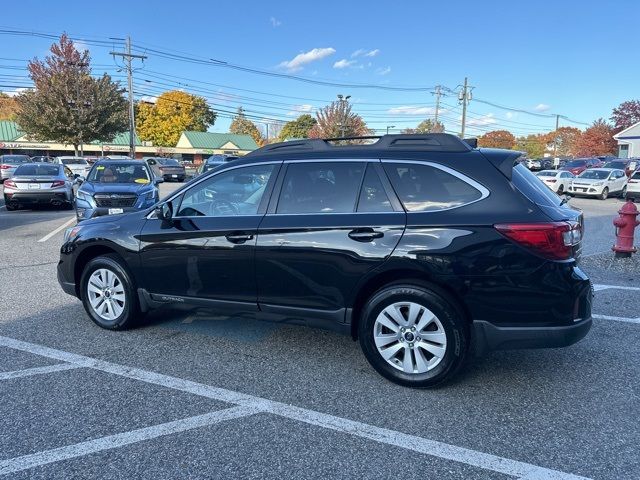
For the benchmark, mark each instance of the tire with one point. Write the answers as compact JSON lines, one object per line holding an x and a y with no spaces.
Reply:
{"x":623,"y":193}
{"x":560,"y":190}
{"x":125,"y":309}
{"x":11,"y":206}
{"x":448,"y":332}
{"x":604,"y":194}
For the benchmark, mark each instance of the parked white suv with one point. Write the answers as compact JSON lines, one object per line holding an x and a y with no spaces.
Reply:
{"x":600,"y":182}
{"x":633,"y":186}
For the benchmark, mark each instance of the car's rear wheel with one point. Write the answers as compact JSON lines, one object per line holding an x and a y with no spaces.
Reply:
{"x":623,"y":193}
{"x":108,"y":294}
{"x":604,"y":194}
{"x":560,"y":189}
{"x":413,"y":336}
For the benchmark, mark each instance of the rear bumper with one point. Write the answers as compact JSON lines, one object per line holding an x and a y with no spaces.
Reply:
{"x":488,"y":337}
{"x":174,"y":176}
{"x":37,"y":197}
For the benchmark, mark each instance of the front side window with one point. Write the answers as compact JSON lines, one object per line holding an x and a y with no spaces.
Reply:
{"x":321,"y":187}
{"x":233,"y":192}
{"x":424,"y":188}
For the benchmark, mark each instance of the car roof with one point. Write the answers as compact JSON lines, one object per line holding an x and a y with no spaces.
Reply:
{"x":551,"y":170}
{"x":120,"y":162}
{"x":604,"y":170}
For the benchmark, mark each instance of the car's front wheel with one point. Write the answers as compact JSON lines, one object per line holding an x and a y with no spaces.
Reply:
{"x":604,"y":194}
{"x":108,"y":294}
{"x":413,"y":336}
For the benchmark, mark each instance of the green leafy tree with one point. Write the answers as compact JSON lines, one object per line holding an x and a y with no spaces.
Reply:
{"x":497,"y":139}
{"x":426,"y":126}
{"x":298,"y":128}
{"x":173,"y":112}
{"x":534,"y":145}
{"x":67,"y":104}
{"x":337,"y":120}
{"x":566,"y":141}
{"x":242,"y":125}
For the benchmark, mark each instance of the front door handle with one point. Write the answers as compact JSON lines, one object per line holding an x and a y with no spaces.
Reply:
{"x":239,"y":237}
{"x":365,"y":234}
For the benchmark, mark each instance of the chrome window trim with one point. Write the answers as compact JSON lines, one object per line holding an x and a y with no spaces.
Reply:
{"x":207,"y":177}
{"x":478,"y":186}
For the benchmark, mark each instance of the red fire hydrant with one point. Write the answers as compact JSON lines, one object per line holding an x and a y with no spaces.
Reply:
{"x":625,"y":225}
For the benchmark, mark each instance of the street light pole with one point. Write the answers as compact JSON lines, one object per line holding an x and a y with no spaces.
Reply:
{"x":390,"y":126}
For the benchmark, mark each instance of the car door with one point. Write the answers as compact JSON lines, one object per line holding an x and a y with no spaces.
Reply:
{"x":206,"y":252}
{"x":330,"y":224}
{"x":621,"y":180}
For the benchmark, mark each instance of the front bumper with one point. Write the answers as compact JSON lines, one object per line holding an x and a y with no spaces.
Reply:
{"x":84,"y":213}
{"x":589,"y":190}
{"x":69,"y":287}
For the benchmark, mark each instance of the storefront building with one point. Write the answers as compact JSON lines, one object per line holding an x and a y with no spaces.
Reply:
{"x":192,"y":146}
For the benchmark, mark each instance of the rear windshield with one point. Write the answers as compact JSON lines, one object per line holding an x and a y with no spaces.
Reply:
{"x":37,"y":170}
{"x":172,"y":162}
{"x":594,"y":174}
{"x":532,"y":188}
{"x":576,"y":163}
{"x":15,"y":158}
{"x":74,"y":161}
{"x":119,"y":172}
{"x":546,"y":174}
{"x":620,"y":165}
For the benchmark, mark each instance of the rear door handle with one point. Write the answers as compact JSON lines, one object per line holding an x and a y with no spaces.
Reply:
{"x":365,"y":234}
{"x":239,"y":237}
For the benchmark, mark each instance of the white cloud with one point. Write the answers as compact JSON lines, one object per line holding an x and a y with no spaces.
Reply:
{"x":510,"y":115}
{"x":275,"y":23}
{"x":298,"y":109}
{"x":413,"y":110}
{"x":149,"y":99}
{"x":542,"y":107}
{"x":17,"y":91}
{"x":487,"y":119}
{"x":80,"y":46}
{"x":383,"y":71}
{"x":361,"y":52}
{"x":344,"y":63}
{"x":297,"y":63}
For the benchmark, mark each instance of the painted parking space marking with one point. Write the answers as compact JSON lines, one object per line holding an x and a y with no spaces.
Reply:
{"x":26,"y":462}
{"x":598,"y":287}
{"x":28,"y":372}
{"x":57,"y":230}
{"x":617,"y":319}
{"x":521,"y":470}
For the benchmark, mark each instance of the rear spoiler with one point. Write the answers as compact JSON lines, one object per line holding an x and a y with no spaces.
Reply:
{"x":503,"y":160}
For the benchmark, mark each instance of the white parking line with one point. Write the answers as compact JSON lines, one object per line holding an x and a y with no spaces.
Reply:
{"x":597,"y":287}
{"x":60,"y":367}
{"x":522,"y":470}
{"x":121,"y":439}
{"x":617,"y":319}
{"x":57,"y":230}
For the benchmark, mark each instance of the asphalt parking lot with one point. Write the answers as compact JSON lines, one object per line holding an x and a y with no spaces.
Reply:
{"x":202,"y":396}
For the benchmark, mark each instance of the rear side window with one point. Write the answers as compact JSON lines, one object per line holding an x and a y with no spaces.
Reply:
{"x":532,"y":188}
{"x":322,"y":187}
{"x":425,"y":188}
{"x":373,"y":197}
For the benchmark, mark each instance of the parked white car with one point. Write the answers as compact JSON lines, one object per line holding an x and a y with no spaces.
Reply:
{"x":557,"y":180}
{"x":600,"y":182}
{"x":533,"y":164}
{"x":633,"y":186}
{"x":78,"y":165}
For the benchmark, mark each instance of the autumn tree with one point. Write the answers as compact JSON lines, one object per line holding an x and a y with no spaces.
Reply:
{"x":298,"y":128}
{"x":173,"y":112}
{"x":626,"y":114}
{"x":597,"y":140}
{"x":8,"y":107}
{"x":67,"y":104}
{"x":426,"y":126}
{"x":534,"y":145}
{"x":337,"y":120}
{"x":242,"y":125}
{"x":497,"y":139}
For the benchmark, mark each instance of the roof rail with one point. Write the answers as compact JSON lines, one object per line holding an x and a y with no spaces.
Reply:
{"x":437,"y":142}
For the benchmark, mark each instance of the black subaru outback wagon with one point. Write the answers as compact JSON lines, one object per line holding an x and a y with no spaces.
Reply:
{"x":423,"y":248}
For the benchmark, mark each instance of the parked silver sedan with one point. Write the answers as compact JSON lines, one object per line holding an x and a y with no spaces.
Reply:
{"x":39,"y":184}
{"x":9,"y":163}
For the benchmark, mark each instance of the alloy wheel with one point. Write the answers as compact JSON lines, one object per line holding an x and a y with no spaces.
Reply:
{"x":410,"y":337}
{"x":106,"y":294}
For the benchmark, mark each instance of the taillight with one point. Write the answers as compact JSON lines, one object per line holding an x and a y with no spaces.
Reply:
{"x":552,"y":240}
{"x":10,"y":183}
{"x":552,"y":180}
{"x":5,"y":167}
{"x":57,"y":183}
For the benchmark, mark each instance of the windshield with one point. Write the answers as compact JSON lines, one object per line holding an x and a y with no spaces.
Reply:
{"x":546,"y":173}
{"x":576,"y":163}
{"x":74,"y":161}
{"x":37,"y":170}
{"x":119,"y":173}
{"x":168,"y":161}
{"x":15,"y":159}
{"x":620,"y":165}
{"x":594,"y":174}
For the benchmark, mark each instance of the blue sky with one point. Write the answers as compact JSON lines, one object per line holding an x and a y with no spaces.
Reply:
{"x":578,"y":59}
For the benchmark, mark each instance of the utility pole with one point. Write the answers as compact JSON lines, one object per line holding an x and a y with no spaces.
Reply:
{"x":128,"y":57}
{"x":464,"y":97}
{"x":555,"y":137}
{"x":437,"y":93}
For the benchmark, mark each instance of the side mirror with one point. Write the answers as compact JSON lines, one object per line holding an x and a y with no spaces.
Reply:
{"x":158,"y":180}
{"x":79,"y":178}
{"x":164,"y":211}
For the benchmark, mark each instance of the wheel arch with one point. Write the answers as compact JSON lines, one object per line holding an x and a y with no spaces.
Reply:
{"x":86,"y":255}
{"x":402,"y":276}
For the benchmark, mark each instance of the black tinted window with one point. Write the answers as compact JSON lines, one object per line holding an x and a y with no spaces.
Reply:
{"x":424,"y":188}
{"x":37,"y":170}
{"x":373,"y":197}
{"x":532,"y":188}
{"x":330,"y":187}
